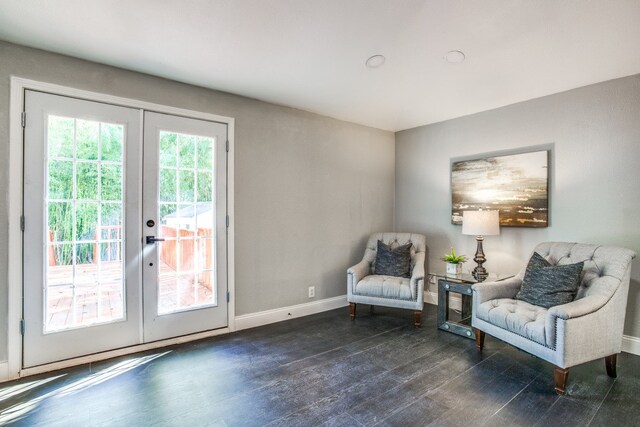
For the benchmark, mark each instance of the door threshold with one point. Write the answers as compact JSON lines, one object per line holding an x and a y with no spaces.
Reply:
{"x":96,"y":357}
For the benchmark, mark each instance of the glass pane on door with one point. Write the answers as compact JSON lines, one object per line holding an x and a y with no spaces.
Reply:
{"x":187,"y":222}
{"x":84,"y":233}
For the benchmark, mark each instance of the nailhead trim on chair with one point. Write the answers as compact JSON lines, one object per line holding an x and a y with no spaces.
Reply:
{"x":529,"y":339}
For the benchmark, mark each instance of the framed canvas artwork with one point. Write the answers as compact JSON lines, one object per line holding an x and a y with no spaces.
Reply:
{"x":517,"y":185}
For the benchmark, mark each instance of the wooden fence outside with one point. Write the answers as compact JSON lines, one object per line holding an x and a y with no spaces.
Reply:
{"x":169,"y":249}
{"x":186,"y":249}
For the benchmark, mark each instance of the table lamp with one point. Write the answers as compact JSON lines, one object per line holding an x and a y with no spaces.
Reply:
{"x":480,"y":224}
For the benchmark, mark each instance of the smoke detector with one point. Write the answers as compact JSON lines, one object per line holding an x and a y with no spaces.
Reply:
{"x":454,"y":57}
{"x":375,"y":61}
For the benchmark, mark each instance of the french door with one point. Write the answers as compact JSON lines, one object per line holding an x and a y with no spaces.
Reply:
{"x":100,"y":181}
{"x":184,"y":211}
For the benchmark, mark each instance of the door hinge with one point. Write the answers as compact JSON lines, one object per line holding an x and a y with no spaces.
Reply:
{"x":227,"y":221}
{"x":227,"y":145}
{"x":22,"y":327}
{"x":23,"y":119}
{"x":228,"y":296}
{"x":22,"y":222}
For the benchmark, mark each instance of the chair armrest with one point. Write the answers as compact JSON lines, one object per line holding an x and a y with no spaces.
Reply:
{"x":493,"y":290}
{"x":417,"y":278}
{"x":359,"y":271}
{"x":418,"y":269}
{"x":578,"y":308}
{"x":587,"y":329}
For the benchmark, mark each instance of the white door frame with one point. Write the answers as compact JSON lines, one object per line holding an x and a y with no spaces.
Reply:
{"x":13,"y":367}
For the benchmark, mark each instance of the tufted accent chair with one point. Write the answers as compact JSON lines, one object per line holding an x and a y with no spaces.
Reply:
{"x":364,"y":286}
{"x":588,"y":328}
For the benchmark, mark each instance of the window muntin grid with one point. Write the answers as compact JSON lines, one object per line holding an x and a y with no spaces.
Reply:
{"x":186,"y":209}
{"x":84,"y":280}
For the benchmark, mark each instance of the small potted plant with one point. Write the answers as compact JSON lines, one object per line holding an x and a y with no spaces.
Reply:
{"x":454,"y":262}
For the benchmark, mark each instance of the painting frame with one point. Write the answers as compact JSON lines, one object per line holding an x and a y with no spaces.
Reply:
{"x":514,"y":183}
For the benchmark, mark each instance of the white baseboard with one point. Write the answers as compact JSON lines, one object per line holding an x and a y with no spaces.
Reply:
{"x":629,"y":344}
{"x":431,"y":297}
{"x":253,"y":320}
{"x":455,"y":301}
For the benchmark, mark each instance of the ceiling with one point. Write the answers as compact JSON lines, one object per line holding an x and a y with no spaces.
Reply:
{"x":311,"y":54}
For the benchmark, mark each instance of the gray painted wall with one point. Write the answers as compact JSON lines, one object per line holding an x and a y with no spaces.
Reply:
{"x":308,"y":189}
{"x":595,"y":171}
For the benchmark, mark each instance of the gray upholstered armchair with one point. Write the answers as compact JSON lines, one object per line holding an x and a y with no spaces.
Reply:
{"x":588,"y":328}
{"x":364,"y":286}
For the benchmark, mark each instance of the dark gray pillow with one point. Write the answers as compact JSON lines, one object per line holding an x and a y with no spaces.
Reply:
{"x":547,"y":285}
{"x":393,"y":262}
{"x":537,"y":261}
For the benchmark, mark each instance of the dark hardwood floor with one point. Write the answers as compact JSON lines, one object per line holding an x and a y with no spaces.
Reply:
{"x":327,"y":370}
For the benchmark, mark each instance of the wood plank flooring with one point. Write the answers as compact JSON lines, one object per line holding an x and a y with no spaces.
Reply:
{"x":327,"y":370}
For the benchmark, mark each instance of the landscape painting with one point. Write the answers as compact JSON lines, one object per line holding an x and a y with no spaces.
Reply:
{"x":516,"y":185}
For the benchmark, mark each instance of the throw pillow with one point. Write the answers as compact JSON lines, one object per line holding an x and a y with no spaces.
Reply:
{"x":546,"y":285}
{"x":393,"y":262}
{"x":537,"y":261}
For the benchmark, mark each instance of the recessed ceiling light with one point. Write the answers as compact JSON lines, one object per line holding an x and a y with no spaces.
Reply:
{"x":454,"y":57}
{"x":375,"y":61}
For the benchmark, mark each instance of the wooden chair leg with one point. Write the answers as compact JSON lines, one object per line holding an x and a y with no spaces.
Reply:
{"x":418,"y":319}
{"x":610,"y":362}
{"x":560,"y":376}
{"x":352,"y":310}
{"x":479,"y":339}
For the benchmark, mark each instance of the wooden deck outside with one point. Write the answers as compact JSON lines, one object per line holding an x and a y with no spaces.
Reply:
{"x":89,"y":303}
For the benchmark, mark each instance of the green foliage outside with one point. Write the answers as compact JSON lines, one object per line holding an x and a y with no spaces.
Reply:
{"x":183,"y":159}
{"x":94,"y":141}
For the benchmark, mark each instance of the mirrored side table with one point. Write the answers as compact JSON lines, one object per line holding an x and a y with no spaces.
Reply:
{"x":457,"y":287}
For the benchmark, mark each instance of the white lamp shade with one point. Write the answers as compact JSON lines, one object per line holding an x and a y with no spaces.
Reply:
{"x":481,"y":223}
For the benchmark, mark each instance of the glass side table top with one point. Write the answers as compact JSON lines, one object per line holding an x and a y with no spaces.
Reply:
{"x":468,"y":277}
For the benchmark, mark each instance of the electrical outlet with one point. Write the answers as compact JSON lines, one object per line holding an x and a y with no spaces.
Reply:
{"x":312,"y":291}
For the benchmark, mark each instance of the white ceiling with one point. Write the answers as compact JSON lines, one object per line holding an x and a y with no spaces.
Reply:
{"x":310,"y":54}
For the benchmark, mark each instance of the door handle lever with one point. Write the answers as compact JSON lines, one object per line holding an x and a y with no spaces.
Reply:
{"x":153,"y":239}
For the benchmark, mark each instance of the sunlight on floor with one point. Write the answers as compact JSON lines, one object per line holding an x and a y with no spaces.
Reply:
{"x":15,"y":390}
{"x":16,"y":412}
